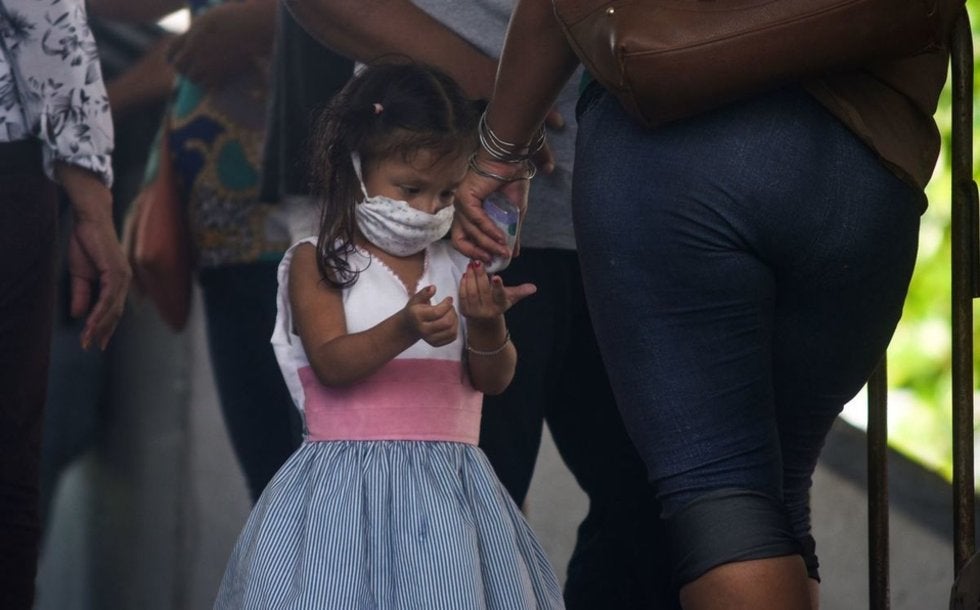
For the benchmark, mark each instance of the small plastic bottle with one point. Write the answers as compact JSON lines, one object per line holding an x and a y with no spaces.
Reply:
{"x":507,"y":217}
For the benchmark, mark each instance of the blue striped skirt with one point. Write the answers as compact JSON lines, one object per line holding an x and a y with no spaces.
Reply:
{"x":356,"y":525}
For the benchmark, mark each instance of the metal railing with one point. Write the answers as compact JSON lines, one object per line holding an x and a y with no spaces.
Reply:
{"x":965,"y":241}
{"x":878,"y":564}
{"x":965,"y":287}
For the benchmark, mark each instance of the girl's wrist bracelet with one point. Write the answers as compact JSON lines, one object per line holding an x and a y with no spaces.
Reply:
{"x":492,"y":352}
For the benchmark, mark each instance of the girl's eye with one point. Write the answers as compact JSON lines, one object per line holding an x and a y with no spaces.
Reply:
{"x":411,"y":190}
{"x":447,"y":195}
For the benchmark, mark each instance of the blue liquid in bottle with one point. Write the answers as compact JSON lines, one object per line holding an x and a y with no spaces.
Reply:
{"x":507,"y":217}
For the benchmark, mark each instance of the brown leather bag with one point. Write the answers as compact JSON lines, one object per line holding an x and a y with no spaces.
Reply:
{"x":668,"y":59}
{"x":156,"y":238}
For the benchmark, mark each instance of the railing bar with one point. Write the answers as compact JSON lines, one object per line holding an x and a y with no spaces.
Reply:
{"x":964,"y":267}
{"x":878,"y":557}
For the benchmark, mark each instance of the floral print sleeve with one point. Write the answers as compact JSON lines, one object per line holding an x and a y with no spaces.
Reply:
{"x":51,"y":85}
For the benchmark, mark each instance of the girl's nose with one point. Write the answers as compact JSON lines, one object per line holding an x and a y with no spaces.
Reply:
{"x":433,"y":205}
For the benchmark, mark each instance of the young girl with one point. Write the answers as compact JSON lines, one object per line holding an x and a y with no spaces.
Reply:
{"x":389,"y":503}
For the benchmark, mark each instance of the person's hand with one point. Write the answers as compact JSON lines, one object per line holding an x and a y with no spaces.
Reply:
{"x":96,"y":263}
{"x":473,"y":233}
{"x":147,"y":81}
{"x":544,"y":159}
{"x":484,"y":297}
{"x":437,"y":324}
{"x":221,"y":44}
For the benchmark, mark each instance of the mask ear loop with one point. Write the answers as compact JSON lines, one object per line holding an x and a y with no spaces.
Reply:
{"x":355,"y":159}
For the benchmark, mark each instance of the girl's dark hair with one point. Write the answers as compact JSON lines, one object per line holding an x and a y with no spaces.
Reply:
{"x":387,"y":109}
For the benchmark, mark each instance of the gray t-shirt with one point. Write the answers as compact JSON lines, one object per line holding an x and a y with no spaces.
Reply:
{"x":549,"y":218}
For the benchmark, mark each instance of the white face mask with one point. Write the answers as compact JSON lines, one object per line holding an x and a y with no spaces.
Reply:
{"x":394,"y":226}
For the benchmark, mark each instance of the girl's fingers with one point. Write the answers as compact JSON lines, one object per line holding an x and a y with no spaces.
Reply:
{"x":482,"y":283}
{"x":472,"y":284}
{"x":498,"y":294}
{"x":422,"y":296}
{"x":468,"y":300}
{"x":481,"y":292}
{"x":429,"y":313}
{"x":446,"y":321}
{"x":442,"y":331}
{"x":446,"y":309}
{"x":515,"y":294}
{"x":440,"y":340}
{"x":464,"y":289}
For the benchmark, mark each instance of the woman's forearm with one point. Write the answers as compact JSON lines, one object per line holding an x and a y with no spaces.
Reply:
{"x":535,"y":64}
{"x":365,"y":30}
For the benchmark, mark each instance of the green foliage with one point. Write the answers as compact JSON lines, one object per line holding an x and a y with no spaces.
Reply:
{"x":919,"y":359}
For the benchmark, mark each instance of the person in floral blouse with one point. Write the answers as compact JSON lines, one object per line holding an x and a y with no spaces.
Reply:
{"x":55,"y":128}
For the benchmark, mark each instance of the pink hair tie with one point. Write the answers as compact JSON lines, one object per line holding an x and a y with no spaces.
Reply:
{"x":378,"y":108}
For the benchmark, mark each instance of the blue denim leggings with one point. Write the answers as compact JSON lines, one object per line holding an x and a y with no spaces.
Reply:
{"x":745,"y":270}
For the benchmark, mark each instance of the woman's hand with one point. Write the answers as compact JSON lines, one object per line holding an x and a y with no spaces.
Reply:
{"x":473,"y":233}
{"x":485,"y":298}
{"x":96,"y":263}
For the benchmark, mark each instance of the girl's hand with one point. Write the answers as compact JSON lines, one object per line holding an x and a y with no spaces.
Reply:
{"x":484,"y":297}
{"x":438,"y":324}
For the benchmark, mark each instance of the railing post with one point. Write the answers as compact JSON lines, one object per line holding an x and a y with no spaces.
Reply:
{"x":878,"y":564}
{"x":964,"y":289}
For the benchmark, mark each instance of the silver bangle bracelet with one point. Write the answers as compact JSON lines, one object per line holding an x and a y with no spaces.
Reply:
{"x":492,"y":352}
{"x":508,"y":152}
{"x":530,"y":170}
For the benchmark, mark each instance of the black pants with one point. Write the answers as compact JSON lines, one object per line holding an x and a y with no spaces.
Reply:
{"x":262,"y":422}
{"x":28,"y":226}
{"x":619,"y":552}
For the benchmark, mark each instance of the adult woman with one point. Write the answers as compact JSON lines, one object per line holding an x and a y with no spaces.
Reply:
{"x":745,"y":269}
{"x":54,"y":127}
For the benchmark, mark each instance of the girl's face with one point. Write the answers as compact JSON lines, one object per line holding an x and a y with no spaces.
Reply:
{"x":427,"y":182}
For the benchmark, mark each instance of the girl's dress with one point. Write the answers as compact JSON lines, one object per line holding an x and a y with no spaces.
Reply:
{"x":389,"y":503}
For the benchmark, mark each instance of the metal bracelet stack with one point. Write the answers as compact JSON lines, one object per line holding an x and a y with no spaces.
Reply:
{"x":506,"y":152}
